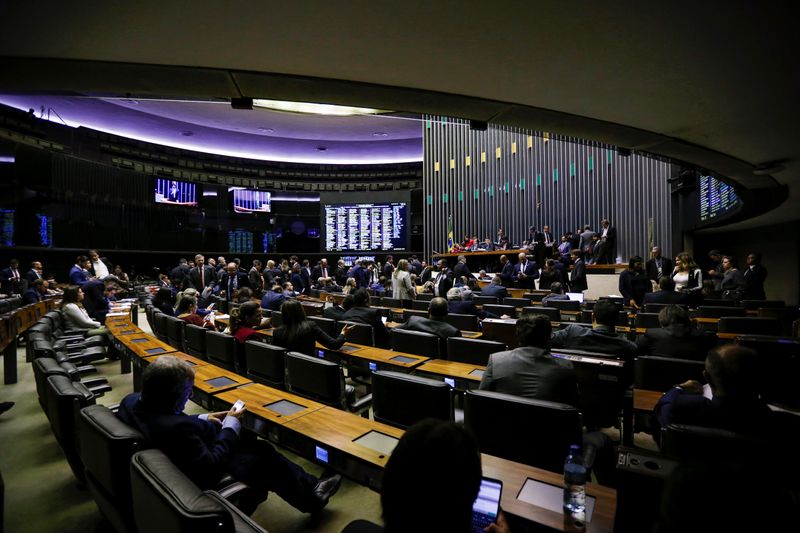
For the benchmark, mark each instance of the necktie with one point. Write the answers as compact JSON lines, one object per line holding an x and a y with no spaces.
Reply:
{"x":324,"y":272}
{"x":202,"y":277}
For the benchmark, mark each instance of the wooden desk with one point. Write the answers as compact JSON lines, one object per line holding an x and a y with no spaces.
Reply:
{"x":204,"y":392}
{"x":382,"y":357}
{"x":465,"y":376}
{"x":333,"y":432}
{"x":514,"y":476}
{"x":147,"y":347}
{"x":645,"y":400}
{"x":194,"y":361}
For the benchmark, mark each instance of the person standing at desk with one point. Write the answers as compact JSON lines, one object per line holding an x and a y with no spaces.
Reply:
{"x":402,"y":286}
{"x":506,"y":271}
{"x":658,"y":266}
{"x":35,"y":272}
{"x":577,"y":276}
{"x":634,"y":283}
{"x":754,"y":277}
{"x":361,"y":313}
{"x":526,"y":272}
{"x":203,"y":278}
{"x":443,"y":280}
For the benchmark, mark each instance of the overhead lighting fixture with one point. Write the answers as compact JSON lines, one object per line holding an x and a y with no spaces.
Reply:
{"x":765,"y":169}
{"x":315,"y":109}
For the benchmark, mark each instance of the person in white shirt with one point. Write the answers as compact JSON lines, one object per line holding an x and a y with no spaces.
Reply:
{"x":75,"y":316}
{"x":98,"y":267}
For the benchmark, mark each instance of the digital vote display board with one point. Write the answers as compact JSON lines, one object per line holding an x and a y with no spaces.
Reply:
{"x":716,"y":199}
{"x":366,"y":227}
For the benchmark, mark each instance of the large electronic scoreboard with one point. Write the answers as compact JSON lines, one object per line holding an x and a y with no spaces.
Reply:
{"x":366,"y":227}
{"x":716,"y":199}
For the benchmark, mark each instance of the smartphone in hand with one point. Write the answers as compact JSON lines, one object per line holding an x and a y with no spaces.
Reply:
{"x":238,"y":406}
{"x":487,"y":504}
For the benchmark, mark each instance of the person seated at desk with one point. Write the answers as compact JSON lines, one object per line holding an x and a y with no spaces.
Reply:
{"x":207,"y":447}
{"x":549,"y":275}
{"x":665,"y":294}
{"x":246,"y":321}
{"x":164,"y":301}
{"x":530,"y":371}
{"x":299,"y":334}
{"x":35,"y":293}
{"x":486,"y":246}
{"x":602,"y":338}
{"x":97,"y":295}
{"x":328,"y":285}
{"x":335,"y":311}
{"x":456,"y":303}
{"x":288,"y":290}
{"x":556,"y":293}
{"x":676,"y":337}
{"x":439,"y":464}
{"x":495,"y":288}
{"x":75,"y":316}
{"x":361,"y":313}
{"x":187,"y":311}
{"x":273,"y":298}
{"x":434,"y":324}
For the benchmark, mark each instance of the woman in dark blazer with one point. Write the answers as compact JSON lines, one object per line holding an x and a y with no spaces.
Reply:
{"x":299,"y":334}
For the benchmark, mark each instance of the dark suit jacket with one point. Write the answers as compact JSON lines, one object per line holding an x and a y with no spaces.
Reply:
{"x":209,"y":274}
{"x":297,"y":282}
{"x":444,"y":282}
{"x":577,"y":277}
{"x":598,"y":340}
{"x":531,"y":373}
{"x":746,"y":415}
{"x":255,"y":280}
{"x":425,"y":275}
{"x":361,"y":276}
{"x":634,"y":286}
{"x":531,"y":271}
{"x":677,"y":341}
{"x":199,"y":448}
{"x":31,"y":296}
{"x":272,"y":300}
{"x":307,"y":343}
{"x":31,"y":276}
{"x":652,"y":269}
{"x":316,"y":273}
{"x":305,"y":275}
{"x":426,"y":325}
{"x":754,"y":283}
{"x":461,"y":269}
{"x":333,"y":312}
{"x":507,"y":274}
{"x":94,"y":300}
{"x":463,"y":307}
{"x":242,"y":280}
{"x":179,"y":274}
{"x":664,"y":297}
{"x":372,"y":317}
{"x":494,"y":290}
{"x":78,"y":276}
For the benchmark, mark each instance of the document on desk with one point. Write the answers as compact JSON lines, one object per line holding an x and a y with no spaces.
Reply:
{"x":707,"y":392}
{"x":117,"y":314}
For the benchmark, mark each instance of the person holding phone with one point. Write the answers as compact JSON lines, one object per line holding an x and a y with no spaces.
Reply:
{"x":439,"y":464}
{"x":246,"y":321}
{"x":187,"y":311}
{"x":299,"y":334}
{"x":207,"y":447}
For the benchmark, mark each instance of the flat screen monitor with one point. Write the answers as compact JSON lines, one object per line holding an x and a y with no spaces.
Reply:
{"x":366,"y":227}
{"x":175,"y":192}
{"x":251,"y":201}
{"x":575,"y":296}
{"x":717,"y":199}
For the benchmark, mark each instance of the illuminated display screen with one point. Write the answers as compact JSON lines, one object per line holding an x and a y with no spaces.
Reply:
{"x":240,"y":242}
{"x":6,"y":227}
{"x":175,"y":192}
{"x":251,"y":201}
{"x":366,"y":227}
{"x":716,"y":198}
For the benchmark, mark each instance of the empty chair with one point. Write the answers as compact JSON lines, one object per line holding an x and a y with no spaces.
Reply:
{"x":656,"y":307}
{"x":647,"y":320}
{"x":565,"y":305}
{"x":483,"y":300}
{"x":391,"y":302}
{"x":472,"y":351}
{"x":425,"y":297}
{"x":402,"y":400}
{"x":779,"y":364}
{"x":550,"y":312}
{"x":375,"y":300}
{"x":718,"y":302}
{"x":221,"y":350}
{"x":501,"y":310}
{"x":64,"y":398}
{"x":328,"y":325}
{"x":749,"y":325}
{"x":516,"y":302}
{"x":708,"y":311}
{"x":416,"y":342}
{"x":463,"y":322}
{"x":321,"y":381}
{"x":265,"y":363}
{"x":533,"y":432}
{"x":276,"y":319}
{"x":360,"y":334}
{"x":655,"y":373}
{"x":175,"y":332}
{"x":420,"y":305}
{"x":504,"y":331}
{"x":44,"y":367}
{"x":535,"y":296}
{"x":195,"y":340}
{"x":106,"y":446}
{"x":164,"y":499}
{"x":160,"y":326}
{"x":752,"y":305}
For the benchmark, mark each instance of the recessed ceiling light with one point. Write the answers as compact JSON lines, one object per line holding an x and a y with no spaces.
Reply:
{"x":315,"y":109}
{"x":187,"y":133}
{"x":380,"y":134}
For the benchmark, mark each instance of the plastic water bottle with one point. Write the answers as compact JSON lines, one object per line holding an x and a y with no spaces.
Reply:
{"x":575,"y":484}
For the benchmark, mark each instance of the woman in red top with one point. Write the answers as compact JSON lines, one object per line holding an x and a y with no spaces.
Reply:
{"x":246,"y":320}
{"x":187,"y":311}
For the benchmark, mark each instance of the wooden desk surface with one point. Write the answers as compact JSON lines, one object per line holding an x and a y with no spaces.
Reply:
{"x":206,"y":372}
{"x":258,"y":396}
{"x":645,"y":400}
{"x":194,"y":361}
{"x":514,"y":476}
{"x":140,"y":348}
{"x":338,"y":429}
{"x":381,"y":355}
{"x":124,"y":328}
{"x":452,"y":369}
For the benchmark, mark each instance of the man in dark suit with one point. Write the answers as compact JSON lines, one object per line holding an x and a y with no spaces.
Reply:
{"x":666,"y":294}
{"x":336,"y":311}
{"x":556,"y":293}
{"x":179,"y":275}
{"x":506,"y":271}
{"x":232,"y":279}
{"x":202,"y":275}
{"x":273,"y":298}
{"x":526,"y":272}
{"x":340,"y":273}
{"x":94,"y":297}
{"x":255,"y":279}
{"x":305,"y":275}
{"x":35,"y":292}
{"x":388,"y":267}
{"x":207,"y":447}
{"x":359,"y":274}
{"x":361,"y":313}
{"x":461,"y":269}
{"x":754,"y":277}
{"x":657,"y":266}
{"x":425,"y":273}
{"x":442,"y":279}
{"x":457,"y":304}
{"x":529,"y":370}
{"x":296,"y":278}
{"x":321,"y":271}
{"x":676,"y":337}
{"x":34,"y":273}
{"x":634,"y":283}
{"x":79,"y":273}
{"x":434,"y":324}
{"x":608,"y":234}
{"x":602,"y":339}
{"x":577,"y":276}
{"x":495,"y":288}
{"x":11,"y":280}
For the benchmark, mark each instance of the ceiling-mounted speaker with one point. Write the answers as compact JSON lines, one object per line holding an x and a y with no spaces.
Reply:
{"x":242,"y":103}
{"x":478,"y":125}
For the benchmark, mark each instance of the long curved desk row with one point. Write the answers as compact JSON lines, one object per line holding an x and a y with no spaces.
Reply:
{"x":352,"y":445}
{"x":12,"y":325}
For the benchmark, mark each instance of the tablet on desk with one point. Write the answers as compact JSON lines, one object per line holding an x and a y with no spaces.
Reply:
{"x":154,"y":351}
{"x":143,"y":339}
{"x":221,"y":381}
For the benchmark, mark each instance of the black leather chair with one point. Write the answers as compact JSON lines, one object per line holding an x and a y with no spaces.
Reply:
{"x":504,"y":331}
{"x":375,"y":301}
{"x":752,"y":305}
{"x":500,"y":310}
{"x":565,"y":305}
{"x":391,"y":302}
{"x":175,"y":332}
{"x":421,"y":305}
{"x":221,"y":350}
{"x":195,"y":338}
{"x":64,"y":399}
{"x":517,"y":302}
{"x":647,"y":320}
{"x":749,"y":325}
{"x":44,"y":367}
{"x":265,"y":363}
{"x":533,"y":432}
{"x":408,"y":313}
{"x":164,"y":499}
{"x":484,"y":300}
{"x":719,"y":302}
{"x":472,"y":351}
{"x":106,"y":446}
{"x":550,"y":312}
{"x":463,"y":322}
{"x":779,"y":364}
{"x":276,"y":319}
{"x":402,"y":400}
{"x":160,"y":326}
{"x":655,"y":373}
{"x":321,"y":381}
{"x":424,"y":297}
{"x":416,"y":342}
{"x":327,"y":325}
{"x":360,"y":334}
{"x":708,"y":311}
{"x":656,"y":307}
